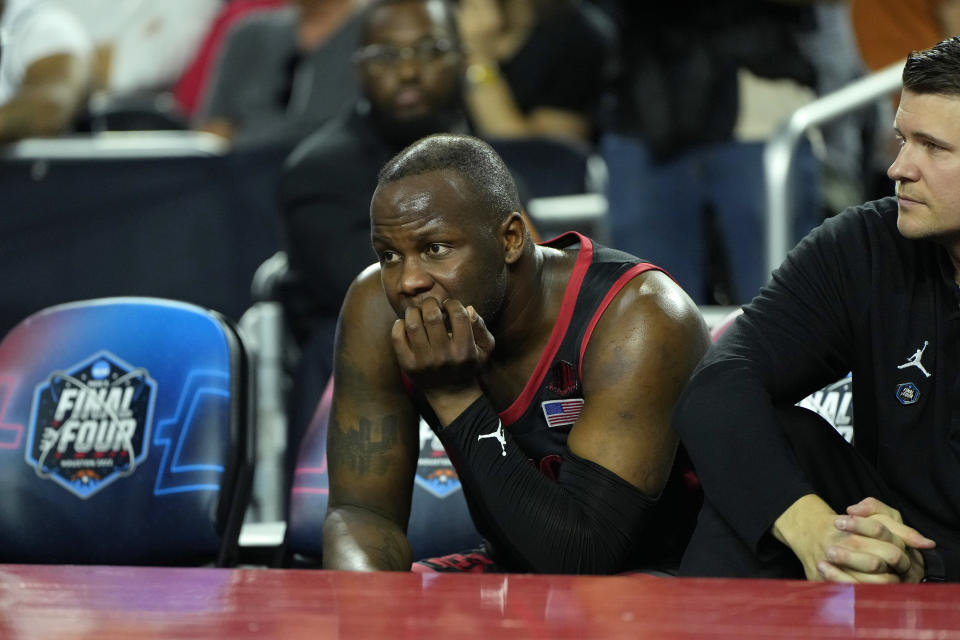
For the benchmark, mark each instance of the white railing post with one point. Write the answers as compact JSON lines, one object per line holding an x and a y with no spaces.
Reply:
{"x":778,"y":153}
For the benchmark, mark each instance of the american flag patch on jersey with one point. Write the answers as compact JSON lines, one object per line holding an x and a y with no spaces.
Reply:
{"x":562,"y":413}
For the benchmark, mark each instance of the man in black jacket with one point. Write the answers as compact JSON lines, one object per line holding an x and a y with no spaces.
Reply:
{"x":873,"y":291}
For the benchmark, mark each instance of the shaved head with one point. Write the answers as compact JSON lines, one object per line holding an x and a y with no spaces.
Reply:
{"x":475,"y":161}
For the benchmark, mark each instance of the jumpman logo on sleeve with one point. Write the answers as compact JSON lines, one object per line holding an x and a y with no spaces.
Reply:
{"x":499,"y":435}
{"x":915,"y":360}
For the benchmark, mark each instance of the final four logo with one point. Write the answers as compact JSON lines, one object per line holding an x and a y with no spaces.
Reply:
{"x":90,"y":424}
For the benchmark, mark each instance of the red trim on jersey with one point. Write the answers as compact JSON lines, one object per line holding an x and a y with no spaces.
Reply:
{"x":407,"y":383}
{"x":621,"y":282}
{"x":584,"y":258}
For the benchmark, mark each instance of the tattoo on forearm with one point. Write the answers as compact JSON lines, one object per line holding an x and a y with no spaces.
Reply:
{"x":366,"y":448}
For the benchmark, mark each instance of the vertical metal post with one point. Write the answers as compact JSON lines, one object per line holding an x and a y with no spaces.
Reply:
{"x":778,"y":153}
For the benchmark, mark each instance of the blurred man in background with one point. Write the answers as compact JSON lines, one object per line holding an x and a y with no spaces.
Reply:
{"x":410,"y":64}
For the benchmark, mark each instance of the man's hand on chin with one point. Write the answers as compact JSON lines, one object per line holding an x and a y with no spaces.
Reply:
{"x":442,"y":347}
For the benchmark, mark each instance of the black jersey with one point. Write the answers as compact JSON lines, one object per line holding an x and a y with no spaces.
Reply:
{"x":541,"y":417}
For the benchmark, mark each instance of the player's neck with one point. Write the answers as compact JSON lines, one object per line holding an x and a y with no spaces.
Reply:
{"x":527,"y":325}
{"x":533,"y":302}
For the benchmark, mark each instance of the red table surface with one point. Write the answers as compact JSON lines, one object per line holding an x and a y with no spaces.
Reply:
{"x":73,"y":602}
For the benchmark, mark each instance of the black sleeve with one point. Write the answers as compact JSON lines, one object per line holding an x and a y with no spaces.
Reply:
{"x":794,"y":338}
{"x":328,"y":245}
{"x":951,"y":565}
{"x":941,"y":564}
{"x":934,"y":569}
{"x":324,"y":200}
{"x":585,"y":522}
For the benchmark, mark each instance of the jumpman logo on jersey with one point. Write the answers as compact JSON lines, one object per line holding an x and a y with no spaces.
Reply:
{"x":914,"y":360}
{"x":499,"y":435}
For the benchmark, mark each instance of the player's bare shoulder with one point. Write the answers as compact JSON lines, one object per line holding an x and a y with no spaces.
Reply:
{"x":659,"y":299}
{"x":652,"y":297}
{"x":651,"y":311}
{"x":366,"y":315}
{"x":365,"y":298}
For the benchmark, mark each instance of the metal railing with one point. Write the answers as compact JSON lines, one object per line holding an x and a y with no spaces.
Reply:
{"x":778,"y":154}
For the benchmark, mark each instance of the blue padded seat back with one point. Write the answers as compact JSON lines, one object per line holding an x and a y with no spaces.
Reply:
{"x":439,"y":522}
{"x":123,"y":435}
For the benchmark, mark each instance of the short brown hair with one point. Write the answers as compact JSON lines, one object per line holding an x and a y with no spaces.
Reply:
{"x":934,"y":70}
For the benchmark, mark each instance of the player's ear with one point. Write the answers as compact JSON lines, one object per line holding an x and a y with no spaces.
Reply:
{"x":514,"y":235}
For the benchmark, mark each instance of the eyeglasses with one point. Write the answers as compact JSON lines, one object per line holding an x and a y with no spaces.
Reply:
{"x":383,"y":58}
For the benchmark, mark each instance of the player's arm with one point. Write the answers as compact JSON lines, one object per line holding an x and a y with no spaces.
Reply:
{"x":372,"y":440}
{"x":621,"y":449}
{"x":52,"y":91}
{"x":641,"y":355}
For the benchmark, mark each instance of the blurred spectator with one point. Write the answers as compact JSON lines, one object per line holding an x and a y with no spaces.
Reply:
{"x":45,"y":68}
{"x":190,"y":88}
{"x":142,"y":45}
{"x":282,"y":73}
{"x":685,"y":149}
{"x":536,"y":67}
{"x":846,"y":145}
{"x":410,"y":67}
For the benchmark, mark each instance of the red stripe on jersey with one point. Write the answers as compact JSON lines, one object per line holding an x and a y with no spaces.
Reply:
{"x":621,"y":282}
{"x":584,"y":258}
